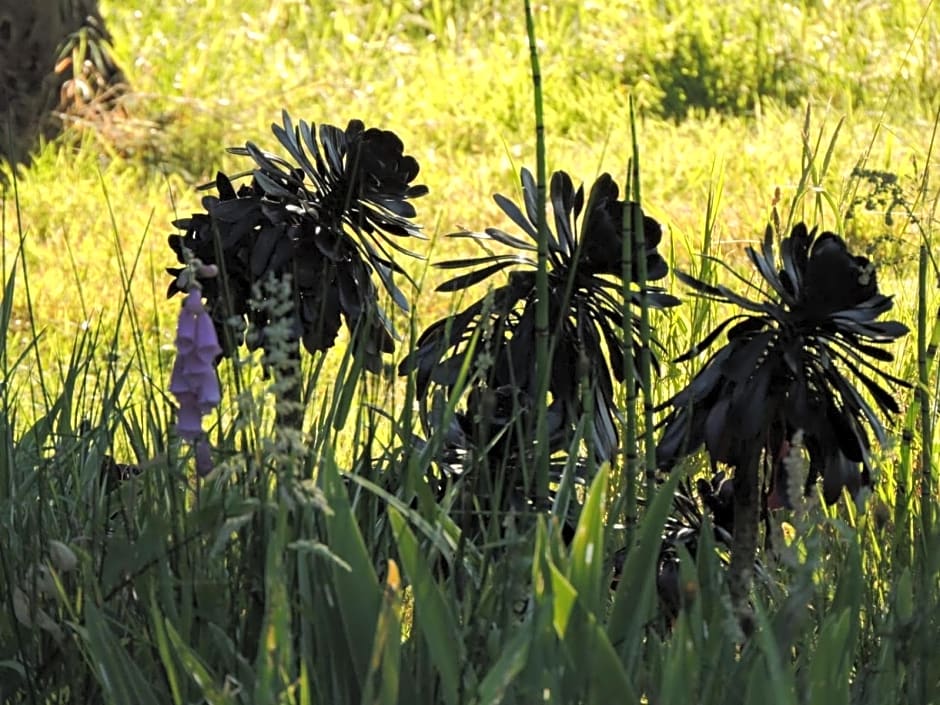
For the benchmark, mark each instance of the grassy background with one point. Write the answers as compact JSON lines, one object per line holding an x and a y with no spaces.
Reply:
{"x":452,"y":79}
{"x":722,"y":94}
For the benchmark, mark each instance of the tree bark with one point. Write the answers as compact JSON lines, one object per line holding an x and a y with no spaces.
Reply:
{"x":32,"y":35}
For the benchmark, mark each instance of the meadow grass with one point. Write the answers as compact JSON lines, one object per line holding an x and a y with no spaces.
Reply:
{"x":314,"y":574}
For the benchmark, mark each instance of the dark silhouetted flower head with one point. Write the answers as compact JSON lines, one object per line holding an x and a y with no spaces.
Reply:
{"x":329,"y":220}
{"x":585,"y":303}
{"x":802,"y":359}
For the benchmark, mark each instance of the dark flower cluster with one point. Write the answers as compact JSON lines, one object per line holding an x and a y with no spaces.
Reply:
{"x":792,"y":362}
{"x":495,"y":336}
{"x":327,"y":221}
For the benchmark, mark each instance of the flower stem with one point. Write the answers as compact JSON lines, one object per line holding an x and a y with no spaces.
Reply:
{"x":289,"y":409}
{"x":744,"y":539}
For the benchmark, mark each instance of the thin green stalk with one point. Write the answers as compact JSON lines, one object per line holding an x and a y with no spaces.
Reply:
{"x":926,"y":447}
{"x":926,"y":485}
{"x":27,"y":291}
{"x":542,"y":356}
{"x":645,"y":357}
{"x":629,"y":448}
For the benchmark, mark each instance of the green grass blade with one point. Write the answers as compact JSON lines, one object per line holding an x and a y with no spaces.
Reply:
{"x":207,"y":683}
{"x":385,"y":664}
{"x":433,"y":616}
{"x":120,"y":678}
{"x":356,"y":591}
{"x":633,"y":602}
{"x":586,"y":564}
{"x":511,"y":662}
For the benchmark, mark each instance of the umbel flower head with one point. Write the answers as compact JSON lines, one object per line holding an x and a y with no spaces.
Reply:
{"x":585,"y":303}
{"x":330,"y":219}
{"x":802,"y":358}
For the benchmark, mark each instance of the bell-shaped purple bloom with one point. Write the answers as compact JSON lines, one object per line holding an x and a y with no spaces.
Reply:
{"x":194,"y":381}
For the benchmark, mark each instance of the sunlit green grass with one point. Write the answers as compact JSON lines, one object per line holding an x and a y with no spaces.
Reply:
{"x":452,"y":80}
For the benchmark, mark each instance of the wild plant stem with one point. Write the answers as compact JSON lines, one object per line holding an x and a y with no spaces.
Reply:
{"x":542,"y":353}
{"x":629,"y":454}
{"x":926,"y":485}
{"x":289,"y":411}
{"x":639,"y":249}
{"x":926,"y":446}
{"x":744,"y":538}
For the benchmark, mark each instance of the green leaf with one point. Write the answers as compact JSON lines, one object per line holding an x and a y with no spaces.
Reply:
{"x":163,"y":648}
{"x":585,"y":567}
{"x":596,"y":662}
{"x":130,"y":556}
{"x":120,"y":678}
{"x":356,"y":591}
{"x":207,"y":683}
{"x":776,"y":686}
{"x":433,"y":616}
{"x":510,"y":664}
{"x":904,"y":597}
{"x":385,"y":664}
{"x":564,"y":598}
{"x":274,"y":657}
{"x":830,"y":669}
{"x":633,"y":602}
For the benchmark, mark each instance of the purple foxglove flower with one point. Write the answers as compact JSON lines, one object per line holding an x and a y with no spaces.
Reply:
{"x":194,"y":381}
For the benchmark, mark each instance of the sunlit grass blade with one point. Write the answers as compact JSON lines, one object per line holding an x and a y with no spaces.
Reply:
{"x":211,"y":690}
{"x":385,"y":664}
{"x":434,"y":618}
{"x":585,"y":564}
{"x":357,"y":592}
{"x":636,"y":591}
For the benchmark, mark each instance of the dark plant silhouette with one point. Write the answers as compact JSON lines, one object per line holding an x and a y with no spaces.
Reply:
{"x":800,"y":359}
{"x":323,"y":223}
{"x":494,"y":337}
{"x":708,"y":506}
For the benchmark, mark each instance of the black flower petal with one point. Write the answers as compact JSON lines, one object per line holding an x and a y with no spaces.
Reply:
{"x":325,"y":222}
{"x":585,"y":305}
{"x":796,"y":361}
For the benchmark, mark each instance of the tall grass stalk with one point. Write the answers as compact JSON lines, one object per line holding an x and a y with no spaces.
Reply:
{"x":543,"y":363}
{"x":627,"y":500}
{"x":645,"y":333}
{"x":923,"y":394}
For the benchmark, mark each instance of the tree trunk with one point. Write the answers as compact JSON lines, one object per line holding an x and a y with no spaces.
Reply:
{"x":33,"y":34}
